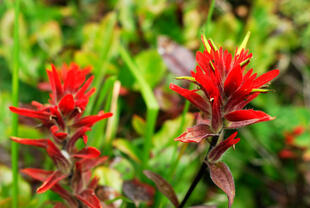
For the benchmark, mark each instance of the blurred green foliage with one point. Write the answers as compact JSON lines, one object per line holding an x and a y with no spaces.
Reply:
{"x":91,"y":32}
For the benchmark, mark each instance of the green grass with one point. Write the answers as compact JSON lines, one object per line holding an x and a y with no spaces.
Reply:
{"x":149,"y":99}
{"x":14,"y":146}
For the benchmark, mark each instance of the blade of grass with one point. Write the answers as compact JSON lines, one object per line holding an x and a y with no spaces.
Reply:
{"x":104,"y":57}
{"x":149,"y":99}
{"x":107,"y":87}
{"x":14,"y":145}
{"x":112,"y":122}
{"x":96,"y":135}
{"x":210,"y":13}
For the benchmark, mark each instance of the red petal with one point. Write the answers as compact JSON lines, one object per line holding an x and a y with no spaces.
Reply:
{"x":195,"y":134}
{"x":216,"y":120}
{"x":90,"y":120}
{"x":31,"y":113}
{"x":265,"y":78}
{"x":83,"y":89}
{"x":33,"y":142}
{"x":51,"y":181}
{"x":80,"y":133}
{"x":216,"y":153}
{"x":242,"y":118}
{"x":192,"y":96}
{"x":89,"y":198}
{"x":56,"y":155}
{"x":241,"y":115}
{"x":233,"y":80}
{"x":87,"y":164}
{"x":66,"y":104}
{"x":58,"y":135}
{"x":89,"y":152}
{"x":38,"y":174}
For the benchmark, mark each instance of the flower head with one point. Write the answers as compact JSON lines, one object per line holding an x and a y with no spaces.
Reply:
{"x":225,"y":87}
{"x":63,"y":116}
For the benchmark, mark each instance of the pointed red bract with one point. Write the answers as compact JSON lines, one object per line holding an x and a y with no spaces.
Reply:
{"x":51,"y":181}
{"x":195,"y":134}
{"x":216,"y":153}
{"x":89,"y":152}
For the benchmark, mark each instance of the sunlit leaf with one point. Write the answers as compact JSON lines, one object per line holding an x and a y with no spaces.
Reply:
{"x":126,"y":147}
{"x":138,"y":124}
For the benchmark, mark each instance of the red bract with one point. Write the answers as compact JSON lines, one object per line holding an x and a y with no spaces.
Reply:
{"x":63,"y":116}
{"x":216,"y":153}
{"x":224,"y":89}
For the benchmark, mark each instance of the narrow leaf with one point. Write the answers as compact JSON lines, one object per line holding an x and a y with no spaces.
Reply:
{"x":163,"y":186}
{"x":222,"y":177}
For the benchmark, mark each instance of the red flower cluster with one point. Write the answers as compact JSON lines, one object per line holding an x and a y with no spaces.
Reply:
{"x":291,"y":150}
{"x":63,"y":117}
{"x":224,"y":89}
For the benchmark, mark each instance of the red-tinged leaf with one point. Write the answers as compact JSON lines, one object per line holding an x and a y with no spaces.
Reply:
{"x":66,"y":104}
{"x":193,"y":97}
{"x":265,"y":78}
{"x":88,"y":152}
{"x":195,"y":134}
{"x":33,"y":142}
{"x":51,"y":181}
{"x":163,"y":186}
{"x":45,"y":116}
{"x":42,"y":175}
{"x":89,"y":198}
{"x":138,"y":191}
{"x":216,"y":153}
{"x":90,"y":120}
{"x":178,"y":59}
{"x":222,"y":177}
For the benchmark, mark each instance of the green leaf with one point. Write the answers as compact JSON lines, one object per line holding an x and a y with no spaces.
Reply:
{"x":109,"y":177}
{"x":138,"y":124}
{"x":151,"y":66}
{"x":127,"y":148}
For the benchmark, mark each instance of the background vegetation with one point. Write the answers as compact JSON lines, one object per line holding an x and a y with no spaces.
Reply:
{"x":141,"y":46}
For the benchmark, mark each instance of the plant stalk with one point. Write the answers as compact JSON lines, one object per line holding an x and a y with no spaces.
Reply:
{"x":199,"y":174}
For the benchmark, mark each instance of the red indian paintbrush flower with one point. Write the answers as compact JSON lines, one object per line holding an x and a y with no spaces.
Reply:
{"x":63,"y":117}
{"x":225,"y":87}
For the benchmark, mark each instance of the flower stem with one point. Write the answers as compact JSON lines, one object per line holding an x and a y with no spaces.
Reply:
{"x":199,"y":174}
{"x":14,"y":145}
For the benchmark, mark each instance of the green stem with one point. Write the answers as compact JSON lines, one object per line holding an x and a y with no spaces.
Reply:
{"x":14,"y":146}
{"x":199,"y":174}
